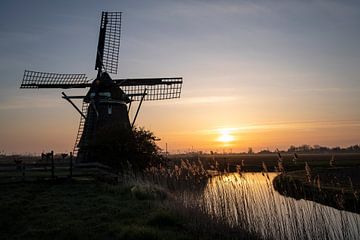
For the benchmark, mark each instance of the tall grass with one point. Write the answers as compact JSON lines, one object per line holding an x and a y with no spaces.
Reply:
{"x":185,"y":183}
{"x":247,"y":202}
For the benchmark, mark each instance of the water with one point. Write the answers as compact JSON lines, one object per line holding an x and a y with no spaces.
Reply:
{"x":250,"y":201}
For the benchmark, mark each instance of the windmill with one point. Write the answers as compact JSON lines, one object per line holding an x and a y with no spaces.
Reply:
{"x":108,"y":101}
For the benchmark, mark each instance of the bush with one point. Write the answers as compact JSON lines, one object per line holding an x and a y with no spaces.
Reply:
{"x":125,"y":149}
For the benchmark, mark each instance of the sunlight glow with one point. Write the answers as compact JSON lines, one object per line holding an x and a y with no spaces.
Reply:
{"x":225,"y":135}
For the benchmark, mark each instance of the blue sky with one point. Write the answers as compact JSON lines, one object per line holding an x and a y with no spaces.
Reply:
{"x":246,"y":65}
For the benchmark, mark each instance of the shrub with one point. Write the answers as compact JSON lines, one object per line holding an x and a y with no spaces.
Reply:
{"x":125,"y":149}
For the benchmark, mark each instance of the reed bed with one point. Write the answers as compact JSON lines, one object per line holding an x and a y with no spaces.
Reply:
{"x":247,"y":202}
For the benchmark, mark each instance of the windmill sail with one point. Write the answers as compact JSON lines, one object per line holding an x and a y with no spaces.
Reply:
{"x":156,"y":88}
{"x":107,"y":56}
{"x":34,"y":79}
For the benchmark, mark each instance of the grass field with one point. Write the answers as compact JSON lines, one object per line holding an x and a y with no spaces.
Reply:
{"x":85,"y":210}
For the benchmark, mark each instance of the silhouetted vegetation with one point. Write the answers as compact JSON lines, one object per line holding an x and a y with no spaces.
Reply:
{"x":323,"y":149}
{"x":304,"y":148}
{"x":123,"y":150}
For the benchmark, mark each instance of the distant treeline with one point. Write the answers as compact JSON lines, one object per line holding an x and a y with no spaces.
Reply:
{"x":305,"y":148}
{"x":316,"y":149}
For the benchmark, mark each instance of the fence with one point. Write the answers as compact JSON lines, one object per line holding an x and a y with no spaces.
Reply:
{"x":48,"y":166}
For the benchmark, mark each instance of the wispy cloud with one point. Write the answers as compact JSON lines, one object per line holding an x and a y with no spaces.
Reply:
{"x":207,"y":8}
{"x":24,"y":102}
{"x":203,"y":100}
{"x":327,"y":89}
{"x":301,"y":125}
{"x":206,"y":100}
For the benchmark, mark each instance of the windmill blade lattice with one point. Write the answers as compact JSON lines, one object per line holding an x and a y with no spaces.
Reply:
{"x":156,"y":88}
{"x":34,"y":79}
{"x":109,"y":42}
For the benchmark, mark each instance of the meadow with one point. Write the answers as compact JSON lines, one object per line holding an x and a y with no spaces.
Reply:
{"x":84,"y":210}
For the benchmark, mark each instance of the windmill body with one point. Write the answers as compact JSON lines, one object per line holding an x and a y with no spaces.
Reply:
{"x":108,"y":101}
{"x":107,"y":108}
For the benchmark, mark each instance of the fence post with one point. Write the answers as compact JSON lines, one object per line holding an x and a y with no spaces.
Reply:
{"x":23,"y":172}
{"x":71,"y":164}
{"x":52,"y":166}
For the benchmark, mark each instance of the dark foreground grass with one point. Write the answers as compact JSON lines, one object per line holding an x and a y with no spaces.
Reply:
{"x":84,"y":210}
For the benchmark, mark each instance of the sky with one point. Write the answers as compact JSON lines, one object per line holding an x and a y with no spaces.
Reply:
{"x":260,"y":74}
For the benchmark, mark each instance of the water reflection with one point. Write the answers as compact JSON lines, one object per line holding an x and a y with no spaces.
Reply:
{"x":250,"y":201}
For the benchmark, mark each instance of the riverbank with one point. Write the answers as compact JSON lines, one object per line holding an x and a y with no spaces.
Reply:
{"x":338,"y":187}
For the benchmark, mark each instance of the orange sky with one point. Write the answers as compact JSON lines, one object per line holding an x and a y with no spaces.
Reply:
{"x":274,"y":74}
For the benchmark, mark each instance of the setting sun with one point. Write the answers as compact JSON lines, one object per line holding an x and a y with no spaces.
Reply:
{"x":225,"y":136}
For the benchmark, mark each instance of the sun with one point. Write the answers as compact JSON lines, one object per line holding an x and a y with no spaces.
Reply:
{"x":225,"y":135}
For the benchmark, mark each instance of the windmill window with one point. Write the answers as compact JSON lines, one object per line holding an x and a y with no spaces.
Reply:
{"x":110,"y":109}
{"x":105,"y":94}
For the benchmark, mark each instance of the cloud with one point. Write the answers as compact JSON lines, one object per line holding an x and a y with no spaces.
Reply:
{"x":327,"y":89}
{"x":186,"y":101}
{"x":206,"y":100}
{"x":301,"y":125}
{"x":207,"y":8}
{"x":27,"y":102}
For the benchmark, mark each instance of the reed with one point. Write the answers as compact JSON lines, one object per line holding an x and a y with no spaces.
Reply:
{"x":246,"y":204}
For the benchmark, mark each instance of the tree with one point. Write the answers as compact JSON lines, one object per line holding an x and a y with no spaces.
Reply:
{"x":292,"y":149}
{"x":121,"y":148}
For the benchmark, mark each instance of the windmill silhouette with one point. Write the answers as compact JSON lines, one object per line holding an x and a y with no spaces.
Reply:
{"x":108,"y":101}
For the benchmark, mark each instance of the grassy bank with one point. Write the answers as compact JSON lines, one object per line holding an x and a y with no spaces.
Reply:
{"x":337,"y":187}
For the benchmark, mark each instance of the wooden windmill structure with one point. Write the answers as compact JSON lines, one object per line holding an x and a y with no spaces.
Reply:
{"x":108,"y":101}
